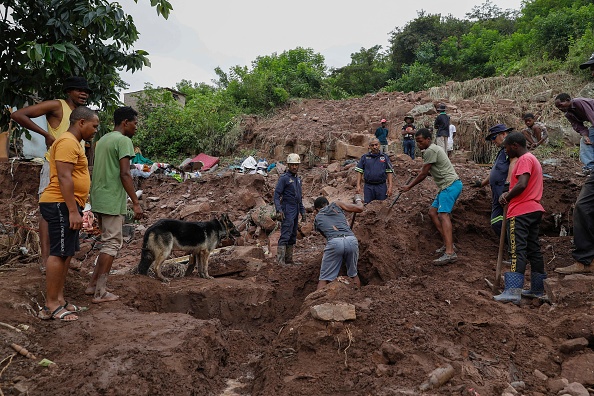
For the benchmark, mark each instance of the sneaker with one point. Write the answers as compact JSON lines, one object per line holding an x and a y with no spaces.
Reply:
{"x":585,"y":172}
{"x":576,"y":268}
{"x":442,"y":249}
{"x":446,"y":259}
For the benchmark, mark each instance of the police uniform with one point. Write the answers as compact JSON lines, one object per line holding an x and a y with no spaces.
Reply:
{"x":288,"y":199}
{"x":497,"y":180}
{"x":374,"y":168}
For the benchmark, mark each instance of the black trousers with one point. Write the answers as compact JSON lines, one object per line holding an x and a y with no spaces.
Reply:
{"x":583,"y":224}
{"x":524,"y":244}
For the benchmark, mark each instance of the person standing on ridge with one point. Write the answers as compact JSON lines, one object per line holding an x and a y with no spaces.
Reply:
{"x":408,"y":136}
{"x":442,"y":127}
{"x":381,"y":134}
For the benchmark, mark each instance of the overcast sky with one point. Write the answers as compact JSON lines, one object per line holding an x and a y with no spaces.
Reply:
{"x":201,"y":35}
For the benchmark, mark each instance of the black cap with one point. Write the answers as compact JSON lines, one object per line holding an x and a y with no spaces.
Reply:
{"x":588,"y":63}
{"x":496,"y":130}
{"x":76,"y":83}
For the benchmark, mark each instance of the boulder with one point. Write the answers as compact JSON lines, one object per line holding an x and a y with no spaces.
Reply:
{"x":203,"y":207}
{"x":333,"y":312}
{"x":574,"y":345}
{"x":579,"y":368}
{"x":571,"y":290}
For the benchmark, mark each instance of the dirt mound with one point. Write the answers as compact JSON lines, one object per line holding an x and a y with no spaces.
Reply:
{"x":256,"y":329}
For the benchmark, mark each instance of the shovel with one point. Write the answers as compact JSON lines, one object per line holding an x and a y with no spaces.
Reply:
{"x":398,"y":195}
{"x":500,"y":253}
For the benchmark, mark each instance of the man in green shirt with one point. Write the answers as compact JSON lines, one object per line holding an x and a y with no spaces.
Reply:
{"x":111,"y":183}
{"x":437,"y":164}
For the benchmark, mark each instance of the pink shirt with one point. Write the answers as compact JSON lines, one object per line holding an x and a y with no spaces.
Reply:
{"x":529,"y":200}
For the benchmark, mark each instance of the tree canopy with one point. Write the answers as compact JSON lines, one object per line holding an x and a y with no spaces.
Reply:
{"x":44,"y":41}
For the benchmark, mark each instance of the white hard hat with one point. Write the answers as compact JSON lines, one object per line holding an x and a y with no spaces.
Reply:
{"x":293,"y":159}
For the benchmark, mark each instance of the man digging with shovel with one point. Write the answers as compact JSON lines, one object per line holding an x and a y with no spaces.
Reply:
{"x":437,"y":164}
{"x":341,"y":245}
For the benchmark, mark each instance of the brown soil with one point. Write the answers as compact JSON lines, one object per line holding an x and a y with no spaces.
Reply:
{"x":249,"y":331}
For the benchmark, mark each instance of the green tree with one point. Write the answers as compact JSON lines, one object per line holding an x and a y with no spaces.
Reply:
{"x":44,"y":41}
{"x":274,"y":78}
{"x":366,"y":73}
{"x":416,"y":77}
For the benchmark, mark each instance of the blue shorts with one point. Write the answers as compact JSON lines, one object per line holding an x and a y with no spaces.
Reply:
{"x":446,"y":198}
{"x":64,"y":242}
{"x":338,"y":250}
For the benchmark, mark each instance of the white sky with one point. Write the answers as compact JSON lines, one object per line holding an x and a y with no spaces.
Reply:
{"x":203,"y":34}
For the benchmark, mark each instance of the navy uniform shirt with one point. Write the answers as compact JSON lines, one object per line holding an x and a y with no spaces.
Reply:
{"x":374,"y":167}
{"x":498,"y":175}
{"x":288,"y":190}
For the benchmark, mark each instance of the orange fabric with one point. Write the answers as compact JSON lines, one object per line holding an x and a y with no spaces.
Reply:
{"x":67,"y":149}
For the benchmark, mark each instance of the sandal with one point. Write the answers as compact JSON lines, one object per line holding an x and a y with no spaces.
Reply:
{"x":61,"y":317}
{"x":74,"y":308}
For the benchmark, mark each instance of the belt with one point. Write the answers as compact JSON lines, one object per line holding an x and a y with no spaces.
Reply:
{"x":375,"y":183}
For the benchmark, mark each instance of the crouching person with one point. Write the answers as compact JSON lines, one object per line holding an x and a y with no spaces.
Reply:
{"x":342,"y":245}
{"x":524,"y":214}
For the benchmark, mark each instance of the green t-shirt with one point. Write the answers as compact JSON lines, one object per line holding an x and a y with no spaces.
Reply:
{"x":107,"y":192}
{"x":442,"y":170}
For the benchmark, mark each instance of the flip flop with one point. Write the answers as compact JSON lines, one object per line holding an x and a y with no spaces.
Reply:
{"x":75,"y":308}
{"x":54,"y":315}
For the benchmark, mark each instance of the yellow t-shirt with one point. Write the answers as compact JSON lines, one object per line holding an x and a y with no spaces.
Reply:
{"x":64,"y":124}
{"x":67,"y":149}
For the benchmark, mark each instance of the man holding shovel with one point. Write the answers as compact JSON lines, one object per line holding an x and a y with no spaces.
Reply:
{"x":437,"y":164}
{"x":524,"y":215}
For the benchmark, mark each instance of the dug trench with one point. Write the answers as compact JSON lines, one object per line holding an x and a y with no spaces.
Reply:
{"x":255,"y":329}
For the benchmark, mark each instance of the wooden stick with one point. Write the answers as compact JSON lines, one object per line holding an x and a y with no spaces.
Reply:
{"x":497,"y":283}
{"x":10,"y":327}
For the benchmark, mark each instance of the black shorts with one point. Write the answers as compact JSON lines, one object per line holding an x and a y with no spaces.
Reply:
{"x":63,"y":241}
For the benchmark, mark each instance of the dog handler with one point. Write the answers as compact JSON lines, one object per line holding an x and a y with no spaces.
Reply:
{"x":288,"y":203}
{"x":341,"y":245}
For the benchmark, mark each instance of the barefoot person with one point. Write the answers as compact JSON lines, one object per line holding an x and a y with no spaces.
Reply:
{"x":57,"y":114}
{"x":341,"y":245}
{"x":61,"y":206}
{"x":112,"y":181}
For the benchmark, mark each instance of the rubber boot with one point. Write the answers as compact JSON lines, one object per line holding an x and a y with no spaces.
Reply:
{"x":289,"y":255}
{"x":280,"y":254}
{"x":536,"y":286}
{"x":514,"y":281}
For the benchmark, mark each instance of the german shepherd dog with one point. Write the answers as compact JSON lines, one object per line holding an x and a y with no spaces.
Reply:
{"x":194,"y":237}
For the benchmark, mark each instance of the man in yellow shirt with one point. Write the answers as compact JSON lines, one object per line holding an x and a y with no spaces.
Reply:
{"x":61,"y":206}
{"x":57,"y":113}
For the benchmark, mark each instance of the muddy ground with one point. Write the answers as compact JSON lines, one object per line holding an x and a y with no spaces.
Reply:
{"x":250,"y":330}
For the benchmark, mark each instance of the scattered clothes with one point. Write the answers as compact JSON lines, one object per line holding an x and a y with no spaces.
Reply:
{"x":249,"y":164}
{"x":207,"y":160}
{"x":139,"y":173}
{"x":139,"y":159}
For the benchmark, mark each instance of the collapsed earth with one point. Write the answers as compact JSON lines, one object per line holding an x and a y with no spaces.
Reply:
{"x":260,"y":328}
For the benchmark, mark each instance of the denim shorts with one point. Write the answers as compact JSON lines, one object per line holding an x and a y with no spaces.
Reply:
{"x":64,"y":242}
{"x":446,"y":198}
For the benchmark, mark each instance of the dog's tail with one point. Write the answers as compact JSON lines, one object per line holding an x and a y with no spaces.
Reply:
{"x":146,"y":259}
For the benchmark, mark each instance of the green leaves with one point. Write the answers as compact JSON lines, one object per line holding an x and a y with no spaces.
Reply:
{"x":45,"y":41}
